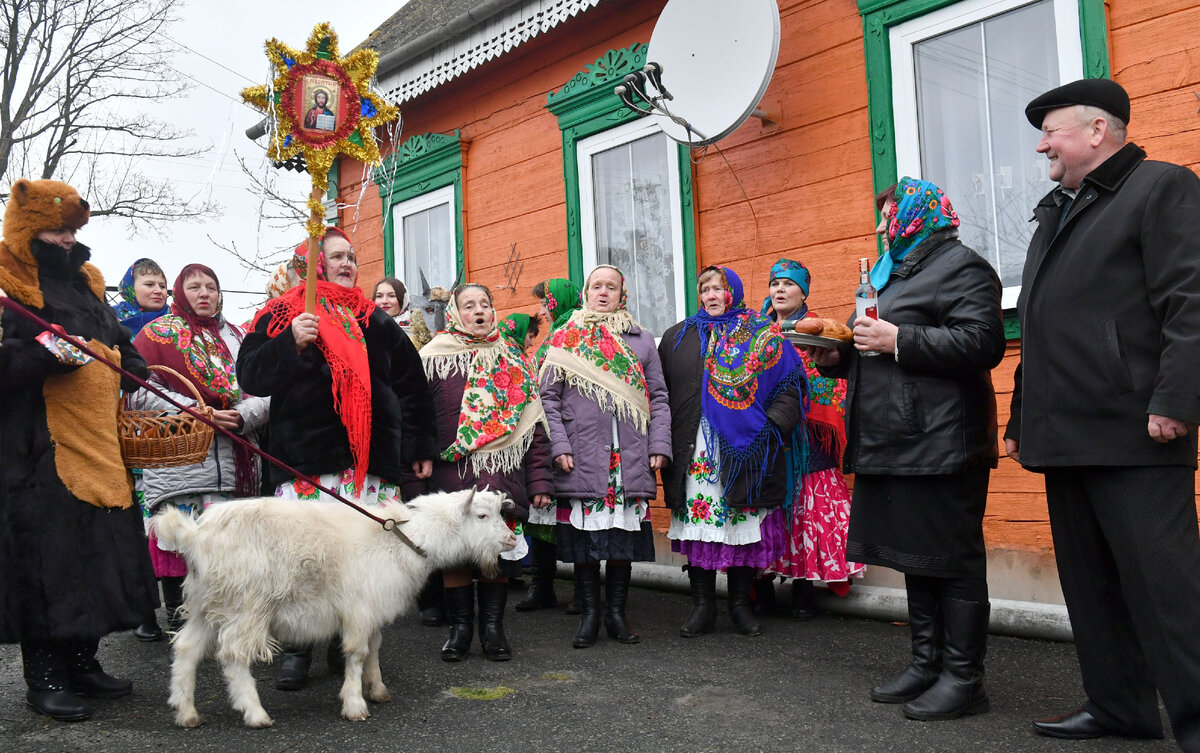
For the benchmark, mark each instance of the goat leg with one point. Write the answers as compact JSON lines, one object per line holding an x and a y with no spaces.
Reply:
{"x":374,"y":688}
{"x":190,"y":645}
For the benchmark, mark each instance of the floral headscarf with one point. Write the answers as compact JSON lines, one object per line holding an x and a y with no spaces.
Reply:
{"x":589,"y":354}
{"x":747,"y":364}
{"x":922,"y":210}
{"x":562,"y":300}
{"x":500,"y":405}
{"x":343,"y":315}
{"x":515,"y":327}
{"x":129,"y":311}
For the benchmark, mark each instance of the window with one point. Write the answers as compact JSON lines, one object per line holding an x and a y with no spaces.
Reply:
{"x":423,"y":238}
{"x":948,"y":85}
{"x":420,"y":186}
{"x":628,"y":193}
{"x":629,"y":209}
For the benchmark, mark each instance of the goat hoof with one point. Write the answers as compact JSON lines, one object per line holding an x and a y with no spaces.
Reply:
{"x":257,"y":719}
{"x":355,"y":711}
{"x":379,"y":695}
{"x":189,"y":721}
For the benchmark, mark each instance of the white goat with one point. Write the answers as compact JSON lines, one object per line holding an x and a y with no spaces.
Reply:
{"x":265,"y":572}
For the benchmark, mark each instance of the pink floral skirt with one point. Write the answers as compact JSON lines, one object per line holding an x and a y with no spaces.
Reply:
{"x":816,"y":540}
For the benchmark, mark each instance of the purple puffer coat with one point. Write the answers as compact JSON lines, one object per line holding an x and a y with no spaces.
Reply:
{"x":581,"y":428}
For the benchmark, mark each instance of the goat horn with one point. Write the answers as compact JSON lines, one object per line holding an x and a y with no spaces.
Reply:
{"x":424,"y":282}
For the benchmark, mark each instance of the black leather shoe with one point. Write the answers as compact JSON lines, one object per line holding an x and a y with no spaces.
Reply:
{"x":1077,"y":725}
{"x":148,"y":632}
{"x":62,"y":705}
{"x":100,"y":684}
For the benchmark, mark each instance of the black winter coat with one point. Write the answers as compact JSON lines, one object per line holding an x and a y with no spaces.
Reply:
{"x":1110,"y":319}
{"x":68,"y":570}
{"x":932,"y":411}
{"x":534,"y":477}
{"x":305,"y":430}
{"x":682,"y":370}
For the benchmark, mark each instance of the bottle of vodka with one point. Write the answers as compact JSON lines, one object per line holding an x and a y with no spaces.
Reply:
{"x":866,"y":298}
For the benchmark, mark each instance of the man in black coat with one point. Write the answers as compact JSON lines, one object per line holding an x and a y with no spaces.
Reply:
{"x":1106,"y":404}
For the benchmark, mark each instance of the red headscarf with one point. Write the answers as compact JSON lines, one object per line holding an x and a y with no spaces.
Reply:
{"x":343,"y":315}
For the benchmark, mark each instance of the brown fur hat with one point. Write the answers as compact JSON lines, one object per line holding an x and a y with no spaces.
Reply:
{"x":34,"y":206}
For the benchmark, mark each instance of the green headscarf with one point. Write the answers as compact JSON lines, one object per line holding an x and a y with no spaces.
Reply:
{"x":562,"y":300}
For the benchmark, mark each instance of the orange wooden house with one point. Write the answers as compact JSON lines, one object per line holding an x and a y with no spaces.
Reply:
{"x":517,"y":162}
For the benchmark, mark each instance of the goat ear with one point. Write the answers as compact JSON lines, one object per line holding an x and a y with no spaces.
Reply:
{"x":467,"y":503}
{"x":507,"y":505}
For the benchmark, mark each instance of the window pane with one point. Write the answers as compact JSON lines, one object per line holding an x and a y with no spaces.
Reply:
{"x":972,"y":87}
{"x":429,"y":247}
{"x":633,"y":225}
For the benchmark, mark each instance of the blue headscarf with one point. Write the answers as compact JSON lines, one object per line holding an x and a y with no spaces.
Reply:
{"x":921,"y":211}
{"x":132,"y":315}
{"x":746,"y":363}
{"x":796,"y":272}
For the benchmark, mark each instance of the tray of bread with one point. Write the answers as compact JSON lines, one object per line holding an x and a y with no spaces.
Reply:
{"x":817,"y":332}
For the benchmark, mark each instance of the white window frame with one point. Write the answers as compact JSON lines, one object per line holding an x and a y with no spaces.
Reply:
{"x":903,"y":37}
{"x":416,"y":205}
{"x":614,"y":137}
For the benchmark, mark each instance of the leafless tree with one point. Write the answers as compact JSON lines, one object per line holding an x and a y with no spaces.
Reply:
{"x":76,"y":75}
{"x":276,"y":211}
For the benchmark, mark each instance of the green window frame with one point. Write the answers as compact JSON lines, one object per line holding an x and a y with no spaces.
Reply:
{"x":879,"y":16}
{"x":424,"y":163}
{"x":587,"y":106}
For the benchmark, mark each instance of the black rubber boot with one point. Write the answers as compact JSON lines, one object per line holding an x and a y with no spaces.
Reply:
{"x":803,"y":606}
{"x":541,"y":577}
{"x":588,"y":579}
{"x":704,"y":603}
{"x":87,"y":678}
{"x":149,"y":631}
{"x":616,"y":585}
{"x":293,"y":669}
{"x":46,"y":676}
{"x":432,"y":601}
{"x":334,"y":659}
{"x":959,"y":688}
{"x":764,"y":595}
{"x":575,"y":605}
{"x":741,"y":580}
{"x":172,"y":600}
{"x":925,"y":626}
{"x":460,"y":611}
{"x":492,"y":599}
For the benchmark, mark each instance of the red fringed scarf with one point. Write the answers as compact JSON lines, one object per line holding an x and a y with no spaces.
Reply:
{"x":343,"y":314}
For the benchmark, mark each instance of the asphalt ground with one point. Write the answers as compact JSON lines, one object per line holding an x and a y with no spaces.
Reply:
{"x":801,"y":686}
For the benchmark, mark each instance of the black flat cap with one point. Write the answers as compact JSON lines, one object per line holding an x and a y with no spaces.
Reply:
{"x":1097,"y":92}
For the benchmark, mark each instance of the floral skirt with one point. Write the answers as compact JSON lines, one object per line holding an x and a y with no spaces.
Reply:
{"x":816,"y":541}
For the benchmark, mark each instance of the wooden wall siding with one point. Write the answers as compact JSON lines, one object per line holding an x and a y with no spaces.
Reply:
{"x":809,"y":182}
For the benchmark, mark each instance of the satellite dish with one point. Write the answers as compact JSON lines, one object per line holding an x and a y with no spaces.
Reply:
{"x":708,"y":67}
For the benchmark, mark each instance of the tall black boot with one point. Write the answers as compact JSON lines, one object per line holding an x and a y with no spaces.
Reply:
{"x":925,"y":627}
{"x":460,"y":611}
{"x":803,"y":606}
{"x":959,"y":688}
{"x":616,"y":584}
{"x":87,"y":678}
{"x":293,"y":669}
{"x":741,"y":580}
{"x":492,"y":599}
{"x":46,"y":676}
{"x":172,"y":588}
{"x":588,"y":578}
{"x":575,"y":605}
{"x":334,"y":658}
{"x":541,"y":577}
{"x":431,"y":602}
{"x":763,"y":595}
{"x":149,"y":631}
{"x":704,"y":603}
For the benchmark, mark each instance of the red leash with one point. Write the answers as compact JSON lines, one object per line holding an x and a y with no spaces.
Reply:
{"x":387,"y":523}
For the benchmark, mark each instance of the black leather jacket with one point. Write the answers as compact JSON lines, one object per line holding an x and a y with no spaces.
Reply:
{"x":932,"y":410}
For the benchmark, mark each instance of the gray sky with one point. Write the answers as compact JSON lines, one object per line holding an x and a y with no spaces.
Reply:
{"x":221,"y":35}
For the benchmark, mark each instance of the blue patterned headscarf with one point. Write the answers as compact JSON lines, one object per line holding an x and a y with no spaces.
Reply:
{"x":921,"y":210}
{"x":747,"y":364}
{"x":793,"y":270}
{"x":132,"y":315}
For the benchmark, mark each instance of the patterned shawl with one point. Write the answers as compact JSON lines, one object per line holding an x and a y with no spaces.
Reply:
{"x":500,"y":404}
{"x":192,"y":345}
{"x":514,"y":328}
{"x":344,"y":314}
{"x":129,"y":311}
{"x":589,"y":353}
{"x":747,"y":364}
{"x":562,"y":300}
{"x":922,"y":210}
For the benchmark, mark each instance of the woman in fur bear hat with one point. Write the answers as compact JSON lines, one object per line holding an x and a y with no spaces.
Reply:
{"x":73,"y":559}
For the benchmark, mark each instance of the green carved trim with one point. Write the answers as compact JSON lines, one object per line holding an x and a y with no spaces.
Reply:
{"x":586,"y":106}
{"x":423,"y":163}
{"x":878,"y":18}
{"x":1012,"y":326}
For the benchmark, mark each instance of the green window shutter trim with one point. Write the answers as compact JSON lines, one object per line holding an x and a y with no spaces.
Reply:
{"x":586,"y":106}
{"x":423,"y":163}
{"x":880,"y":15}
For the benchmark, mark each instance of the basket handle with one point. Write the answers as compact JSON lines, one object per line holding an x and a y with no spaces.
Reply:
{"x":186,"y":381}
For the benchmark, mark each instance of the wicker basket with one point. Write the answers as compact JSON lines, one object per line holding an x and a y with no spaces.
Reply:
{"x":164,"y":439}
